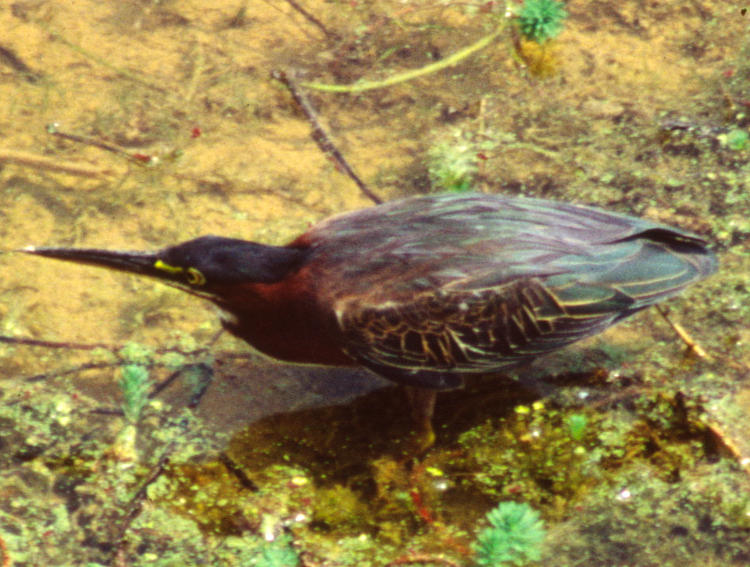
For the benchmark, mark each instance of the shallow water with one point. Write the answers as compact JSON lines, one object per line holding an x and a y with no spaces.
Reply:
{"x":637,"y":107}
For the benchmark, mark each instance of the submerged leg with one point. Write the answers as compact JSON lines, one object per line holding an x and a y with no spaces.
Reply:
{"x":422,"y":404}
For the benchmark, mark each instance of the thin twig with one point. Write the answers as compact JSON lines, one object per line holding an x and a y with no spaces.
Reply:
{"x":17,"y":64}
{"x":161,"y":386}
{"x":54,"y":129}
{"x":725,"y":439}
{"x":683,"y":334}
{"x":106,"y":346}
{"x":449,"y":61}
{"x":533,"y":148}
{"x":107,"y":411}
{"x":237,"y":471}
{"x":100,"y":60}
{"x":207,"y":377}
{"x":198,"y":64}
{"x":136,"y":503}
{"x":194,"y":400}
{"x":55,"y":344}
{"x":321,"y":137}
{"x":37,"y":161}
{"x":71,"y":370}
{"x":312,"y":19}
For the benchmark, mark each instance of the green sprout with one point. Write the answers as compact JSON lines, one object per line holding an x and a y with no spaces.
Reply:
{"x":134,"y":385}
{"x":514,"y":536}
{"x":541,"y":20}
{"x":278,"y":554}
{"x":736,"y":139}
{"x":577,"y":426}
{"x":453,"y":163}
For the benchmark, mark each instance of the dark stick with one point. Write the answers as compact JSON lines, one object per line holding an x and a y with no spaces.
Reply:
{"x":160,"y":386}
{"x":321,"y":137}
{"x":312,"y":19}
{"x":17,"y":64}
{"x":136,"y":503}
{"x":235,"y":469}
{"x":92,"y":346}
{"x":71,"y":370}
{"x":54,"y":344}
{"x":89,"y":141}
{"x":206,"y":380}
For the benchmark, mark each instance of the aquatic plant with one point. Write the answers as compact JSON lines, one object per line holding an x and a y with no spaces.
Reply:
{"x":134,"y":385}
{"x":736,"y":139}
{"x":277,"y":553}
{"x":514,"y":536}
{"x":541,"y":20}
{"x":577,"y":423}
{"x":453,"y":162}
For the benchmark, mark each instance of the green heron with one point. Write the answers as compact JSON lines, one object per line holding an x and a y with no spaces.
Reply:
{"x":428,"y":289}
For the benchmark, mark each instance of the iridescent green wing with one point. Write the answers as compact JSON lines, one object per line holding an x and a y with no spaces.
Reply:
{"x":433,"y":340}
{"x":493,"y":318}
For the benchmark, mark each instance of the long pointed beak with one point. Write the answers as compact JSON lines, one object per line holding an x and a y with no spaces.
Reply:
{"x":141,"y":263}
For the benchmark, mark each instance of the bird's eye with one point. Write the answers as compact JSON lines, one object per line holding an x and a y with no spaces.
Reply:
{"x":195,"y":277}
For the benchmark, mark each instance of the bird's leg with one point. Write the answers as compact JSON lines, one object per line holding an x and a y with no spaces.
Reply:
{"x":422,"y":404}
